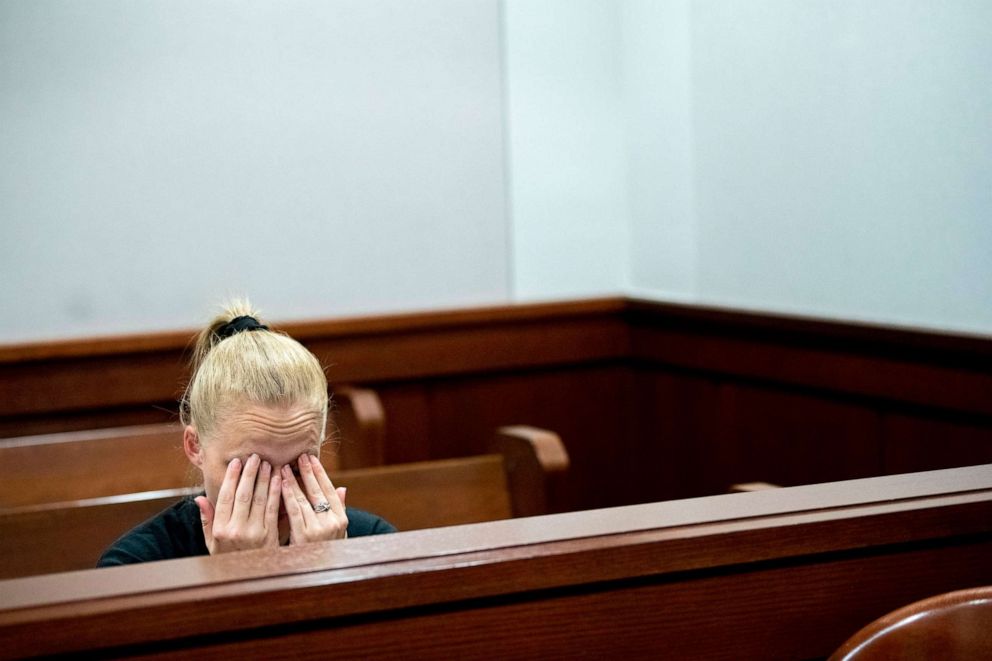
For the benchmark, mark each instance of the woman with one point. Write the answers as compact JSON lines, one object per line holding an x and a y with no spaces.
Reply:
{"x":254,"y":414}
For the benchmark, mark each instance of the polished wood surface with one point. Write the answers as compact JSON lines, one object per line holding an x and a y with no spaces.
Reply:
{"x":512,"y":481}
{"x":120,"y":373}
{"x":58,"y":537}
{"x":51,"y":468}
{"x":854,"y":359}
{"x":955,"y":626}
{"x":779,"y":573}
{"x":657,"y":401}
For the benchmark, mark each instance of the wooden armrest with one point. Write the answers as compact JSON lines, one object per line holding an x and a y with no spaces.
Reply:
{"x":358,"y":429}
{"x":531,"y":458}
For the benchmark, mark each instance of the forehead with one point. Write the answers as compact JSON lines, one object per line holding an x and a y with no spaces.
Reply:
{"x":277,"y":432}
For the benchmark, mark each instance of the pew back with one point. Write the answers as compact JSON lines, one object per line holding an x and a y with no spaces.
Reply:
{"x":782,"y":573}
{"x":54,"y":537}
{"x":78,"y":465}
{"x":68,"y":466}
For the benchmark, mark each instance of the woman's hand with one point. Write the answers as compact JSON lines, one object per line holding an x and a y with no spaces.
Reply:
{"x":316,"y":510}
{"x":247,"y":511}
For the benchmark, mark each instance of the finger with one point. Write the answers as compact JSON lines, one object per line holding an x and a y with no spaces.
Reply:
{"x":272,"y":511}
{"x":307,"y":516}
{"x":260,"y":496}
{"x":245,"y":490}
{"x":342,"y":493}
{"x":310,"y":486}
{"x":225,"y":497}
{"x":207,"y":520}
{"x":334,"y":498}
{"x":295,"y":509}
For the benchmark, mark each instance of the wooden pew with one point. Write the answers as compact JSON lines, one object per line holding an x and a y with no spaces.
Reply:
{"x":511,"y":481}
{"x":79,"y":465}
{"x":783,"y":573}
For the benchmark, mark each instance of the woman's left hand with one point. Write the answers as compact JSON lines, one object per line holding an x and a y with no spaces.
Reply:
{"x":315,"y":508}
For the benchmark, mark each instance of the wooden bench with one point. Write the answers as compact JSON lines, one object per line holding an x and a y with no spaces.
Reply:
{"x":79,"y":465}
{"x":511,"y":481}
{"x":783,"y":573}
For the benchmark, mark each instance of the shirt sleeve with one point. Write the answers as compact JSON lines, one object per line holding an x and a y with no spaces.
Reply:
{"x":361,"y":523}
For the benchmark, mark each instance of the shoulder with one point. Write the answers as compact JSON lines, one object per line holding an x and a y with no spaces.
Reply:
{"x":362,"y":523}
{"x":172,"y":533}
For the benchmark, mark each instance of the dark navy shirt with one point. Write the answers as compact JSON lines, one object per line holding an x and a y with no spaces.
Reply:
{"x":177,"y":533}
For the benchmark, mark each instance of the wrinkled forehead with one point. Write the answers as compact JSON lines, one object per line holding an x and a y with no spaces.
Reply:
{"x":278,"y":433}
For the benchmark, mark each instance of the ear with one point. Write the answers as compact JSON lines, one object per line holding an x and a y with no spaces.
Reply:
{"x":192,"y":447}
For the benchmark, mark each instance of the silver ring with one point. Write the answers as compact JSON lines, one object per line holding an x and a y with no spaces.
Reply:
{"x":322,"y":506}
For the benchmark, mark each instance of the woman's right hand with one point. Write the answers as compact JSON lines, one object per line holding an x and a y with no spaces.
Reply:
{"x":246,"y":515}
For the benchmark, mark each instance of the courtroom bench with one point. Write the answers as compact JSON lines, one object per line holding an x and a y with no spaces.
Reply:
{"x":781,"y":573}
{"x":510,"y":481}
{"x":77,"y":465}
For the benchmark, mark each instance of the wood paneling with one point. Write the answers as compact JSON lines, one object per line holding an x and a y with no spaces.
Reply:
{"x":677,"y":418}
{"x":914,"y":443}
{"x":856,"y":360}
{"x":97,"y":381}
{"x":583,"y":405}
{"x":652,"y":400}
{"x":790,"y":438}
{"x":408,"y":421}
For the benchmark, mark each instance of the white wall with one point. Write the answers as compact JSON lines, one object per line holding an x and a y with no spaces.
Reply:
{"x":821,"y":157}
{"x":324,"y":157}
{"x":841,"y":160}
{"x":565,"y":154}
{"x":657,"y":92}
{"x":830,"y":158}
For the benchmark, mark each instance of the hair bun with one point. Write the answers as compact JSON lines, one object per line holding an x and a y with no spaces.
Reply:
{"x":238,"y":325}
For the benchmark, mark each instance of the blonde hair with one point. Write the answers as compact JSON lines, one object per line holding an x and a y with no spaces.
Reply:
{"x":251,"y":366}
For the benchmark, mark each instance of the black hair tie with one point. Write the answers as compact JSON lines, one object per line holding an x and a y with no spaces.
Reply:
{"x":239,"y":324}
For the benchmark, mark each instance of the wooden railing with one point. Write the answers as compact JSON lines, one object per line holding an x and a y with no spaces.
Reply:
{"x":779,"y":573}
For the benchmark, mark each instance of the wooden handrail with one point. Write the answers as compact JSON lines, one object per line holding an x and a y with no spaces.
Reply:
{"x":781,"y":573}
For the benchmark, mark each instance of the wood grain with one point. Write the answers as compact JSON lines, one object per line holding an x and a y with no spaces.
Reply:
{"x":782,"y":573}
{"x":63,"y":536}
{"x":654,"y":401}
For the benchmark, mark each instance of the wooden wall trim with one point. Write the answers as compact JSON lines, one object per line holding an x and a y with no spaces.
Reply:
{"x":323,"y":329}
{"x":960,"y":349}
{"x":137,"y":379}
{"x":134,"y":370}
{"x":944,"y":347}
{"x":939,"y":370}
